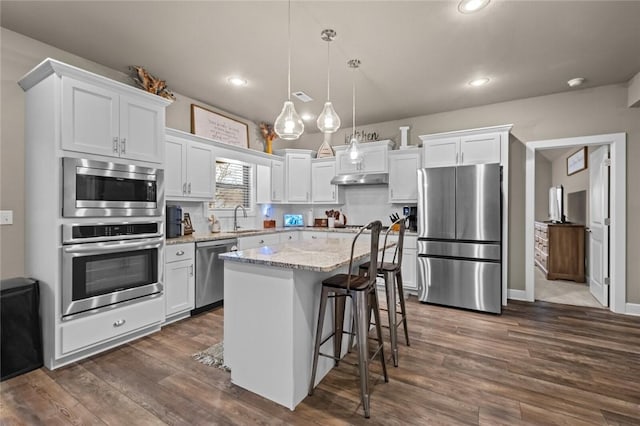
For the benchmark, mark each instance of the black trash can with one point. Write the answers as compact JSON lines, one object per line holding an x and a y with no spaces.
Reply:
{"x":20,"y":327}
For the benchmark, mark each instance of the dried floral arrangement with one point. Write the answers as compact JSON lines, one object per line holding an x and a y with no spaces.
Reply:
{"x":150,"y":83}
{"x":268,"y":134}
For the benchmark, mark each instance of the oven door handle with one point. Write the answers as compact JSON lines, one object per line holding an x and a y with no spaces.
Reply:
{"x":114,"y":174}
{"x":113,"y":246}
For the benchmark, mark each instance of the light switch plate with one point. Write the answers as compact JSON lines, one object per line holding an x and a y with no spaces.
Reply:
{"x":6,"y":217}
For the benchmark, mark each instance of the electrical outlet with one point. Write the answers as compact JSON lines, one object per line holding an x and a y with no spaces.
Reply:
{"x":6,"y":217}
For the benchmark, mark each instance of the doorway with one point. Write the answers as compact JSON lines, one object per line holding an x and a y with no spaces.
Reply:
{"x":617,"y":212}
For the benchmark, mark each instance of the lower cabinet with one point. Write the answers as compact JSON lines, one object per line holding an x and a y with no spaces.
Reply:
{"x":258,"y":241}
{"x":409,"y":259}
{"x":179,"y":279}
{"x":313,"y":235}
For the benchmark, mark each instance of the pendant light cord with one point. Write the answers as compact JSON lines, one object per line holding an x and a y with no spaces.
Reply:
{"x":354,"y":102}
{"x":328,"y":69}
{"x":289,"y":54}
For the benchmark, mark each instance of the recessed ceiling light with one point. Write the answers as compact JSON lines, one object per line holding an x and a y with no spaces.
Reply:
{"x":470,"y":6}
{"x":237,"y":81}
{"x":575,"y":82}
{"x":307,"y":116}
{"x":479,"y":82}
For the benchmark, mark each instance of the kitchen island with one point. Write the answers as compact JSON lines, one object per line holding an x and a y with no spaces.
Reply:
{"x":272,"y":295}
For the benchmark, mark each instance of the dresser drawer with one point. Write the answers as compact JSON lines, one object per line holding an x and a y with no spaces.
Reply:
{"x":95,"y":329}
{"x":174,"y":253}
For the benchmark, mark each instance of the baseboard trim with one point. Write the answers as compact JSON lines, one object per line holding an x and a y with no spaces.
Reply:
{"x":517,"y":294}
{"x":632,"y":309}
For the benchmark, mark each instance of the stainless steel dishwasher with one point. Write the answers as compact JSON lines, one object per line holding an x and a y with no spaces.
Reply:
{"x":210,"y":273}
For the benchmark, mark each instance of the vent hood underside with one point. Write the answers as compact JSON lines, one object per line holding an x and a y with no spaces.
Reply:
{"x":361,"y":179}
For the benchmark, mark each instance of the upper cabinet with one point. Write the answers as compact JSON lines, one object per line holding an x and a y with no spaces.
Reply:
{"x":298,"y":172}
{"x":100,"y":116}
{"x":479,"y":146}
{"x":322,"y":190}
{"x":403,"y":180}
{"x":189,"y":170}
{"x":374,"y":158}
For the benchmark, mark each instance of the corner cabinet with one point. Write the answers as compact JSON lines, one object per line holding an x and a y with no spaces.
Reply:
{"x":374,"y":158}
{"x":403,"y":180}
{"x":179,"y":288}
{"x":189,"y":169}
{"x":322,"y":190}
{"x":100,"y":119}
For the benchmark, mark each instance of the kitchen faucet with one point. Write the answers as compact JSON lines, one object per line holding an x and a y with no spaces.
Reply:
{"x":235,"y":216}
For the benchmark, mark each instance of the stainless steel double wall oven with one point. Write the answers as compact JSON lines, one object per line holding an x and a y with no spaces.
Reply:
{"x":112,"y":234}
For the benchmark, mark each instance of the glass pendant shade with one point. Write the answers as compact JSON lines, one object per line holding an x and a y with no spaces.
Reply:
{"x":288,"y":125}
{"x":354,"y":152}
{"x":328,"y":121}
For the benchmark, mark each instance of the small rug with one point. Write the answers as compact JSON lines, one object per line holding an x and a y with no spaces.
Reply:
{"x":214,"y":356}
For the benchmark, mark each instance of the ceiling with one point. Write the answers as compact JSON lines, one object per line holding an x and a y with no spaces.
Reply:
{"x":417,"y":56}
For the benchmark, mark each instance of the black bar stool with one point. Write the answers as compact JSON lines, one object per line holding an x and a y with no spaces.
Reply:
{"x":364,"y":299}
{"x":392,"y":271}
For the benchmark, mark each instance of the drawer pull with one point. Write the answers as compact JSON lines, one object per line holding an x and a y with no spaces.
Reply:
{"x":261,"y":241}
{"x":119,"y":323}
{"x":179,"y":253}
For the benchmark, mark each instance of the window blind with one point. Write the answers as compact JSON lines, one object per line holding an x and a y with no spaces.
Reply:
{"x":233,"y":185}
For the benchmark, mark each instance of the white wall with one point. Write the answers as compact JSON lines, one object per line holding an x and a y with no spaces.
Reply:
{"x":543,"y":183}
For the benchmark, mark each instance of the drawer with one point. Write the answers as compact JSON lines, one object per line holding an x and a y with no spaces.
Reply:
{"x":95,"y":329}
{"x":258,"y":241}
{"x":174,"y":253}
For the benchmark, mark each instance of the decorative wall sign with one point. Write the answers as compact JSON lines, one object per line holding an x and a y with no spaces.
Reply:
{"x":361,"y":136}
{"x":577,"y":161}
{"x":218,"y":127}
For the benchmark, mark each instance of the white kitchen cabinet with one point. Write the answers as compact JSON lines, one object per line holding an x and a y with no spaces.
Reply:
{"x":374,"y":158}
{"x":322,"y":190}
{"x":409,"y":260}
{"x":277,"y":181}
{"x":179,"y":289}
{"x":254,"y":241}
{"x":480,"y":148}
{"x":101,"y":120}
{"x":313,"y":235}
{"x":189,"y":170}
{"x":289,"y":236}
{"x":403,"y":180}
{"x":263,"y":184}
{"x":298,"y":172}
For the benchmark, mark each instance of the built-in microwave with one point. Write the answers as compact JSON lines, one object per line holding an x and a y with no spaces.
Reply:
{"x":99,"y":188}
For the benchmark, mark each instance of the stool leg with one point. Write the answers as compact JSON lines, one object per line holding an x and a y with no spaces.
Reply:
{"x":338,"y":326}
{"x":375,"y":306}
{"x":360,"y":307}
{"x":402,"y":305}
{"x":389,"y":278}
{"x":316,"y":351}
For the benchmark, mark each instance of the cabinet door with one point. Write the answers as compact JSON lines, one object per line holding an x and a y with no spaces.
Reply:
{"x":263,"y":184}
{"x":141,"y":130}
{"x":200,"y":171}
{"x":298,"y":178}
{"x":409,"y":259}
{"x":322,"y":191}
{"x":179,"y":290}
{"x":441,"y":152}
{"x":175,"y":168}
{"x":344,"y":165}
{"x":403,"y":180}
{"x":374,"y":160}
{"x":277,"y":181}
{"x":480,"y":149}
{"x":89,"y":118}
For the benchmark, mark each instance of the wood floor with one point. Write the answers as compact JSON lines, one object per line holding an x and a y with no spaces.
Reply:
{"x":535,"y":364}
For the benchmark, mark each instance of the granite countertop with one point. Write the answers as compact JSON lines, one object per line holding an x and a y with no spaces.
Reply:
{"x":208,"y":236}
{"x":322,"y":255}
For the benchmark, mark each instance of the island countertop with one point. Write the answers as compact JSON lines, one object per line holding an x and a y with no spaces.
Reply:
{"x":322,"y":255}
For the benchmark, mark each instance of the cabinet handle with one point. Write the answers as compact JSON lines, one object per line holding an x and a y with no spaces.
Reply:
{"x":313,"y":237}
{"x":191,"y":270}
{"x":333,"y":194}
{"x":184,"y":188}
{"x":179,"y":253}
{"x":307,"y":196}
{"x":119,"y":323}
{"x":462,"y":158}
{"x":115,"y":144}
{"x":456,"y":158}
{"x":261,"y":242}
{"x":123,"y":146}
{"x":189,"y":187}
{"x":391,"y":190}
{"x":290,"y":237}
{"x":274,"y":195}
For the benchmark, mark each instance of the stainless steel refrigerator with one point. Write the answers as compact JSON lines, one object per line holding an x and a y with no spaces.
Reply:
{"x":460,"y":236}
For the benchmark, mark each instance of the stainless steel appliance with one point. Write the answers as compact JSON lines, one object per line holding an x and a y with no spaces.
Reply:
{"x":174,"y":221}
{"x":106,"y":264}
{"x":460,"y":236}
{"x":210,"y":273}
{"x":99,"y":188}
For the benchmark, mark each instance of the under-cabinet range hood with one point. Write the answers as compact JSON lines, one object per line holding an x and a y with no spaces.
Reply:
{"x":361,"y":179}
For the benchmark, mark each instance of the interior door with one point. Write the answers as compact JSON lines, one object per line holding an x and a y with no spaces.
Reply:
{"x":598,"y":230}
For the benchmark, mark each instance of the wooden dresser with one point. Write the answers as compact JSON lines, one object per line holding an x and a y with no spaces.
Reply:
{"x":559,"y":250}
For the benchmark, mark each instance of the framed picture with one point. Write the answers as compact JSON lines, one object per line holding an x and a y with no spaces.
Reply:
{"x":218,"y":127}
{"x":577,"y":161}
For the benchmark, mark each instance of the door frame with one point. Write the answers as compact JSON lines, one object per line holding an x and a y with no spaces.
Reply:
{"x":617,"y":211}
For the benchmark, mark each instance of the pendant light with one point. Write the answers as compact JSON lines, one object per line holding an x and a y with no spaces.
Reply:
{"x":289,"y":125}
{"x":353,"y":151}
{"x":328,"y":121}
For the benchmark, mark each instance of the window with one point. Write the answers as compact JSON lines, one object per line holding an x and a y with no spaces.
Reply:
{"x":233,"y":184}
